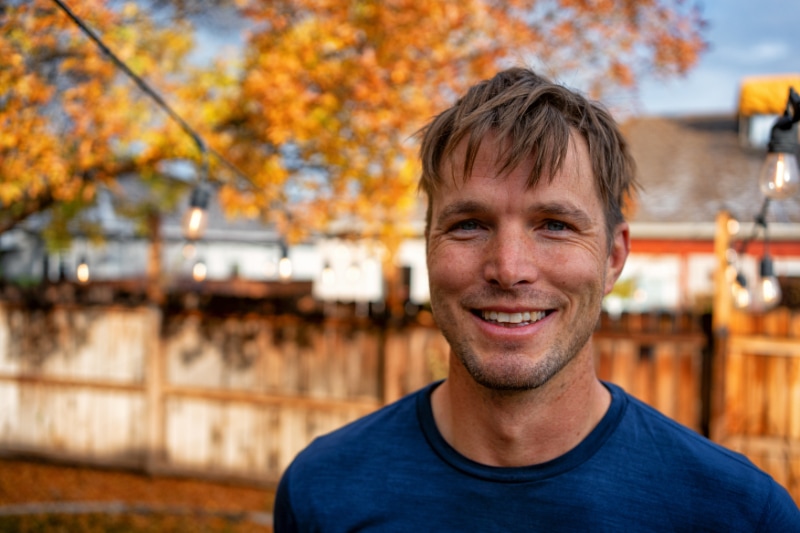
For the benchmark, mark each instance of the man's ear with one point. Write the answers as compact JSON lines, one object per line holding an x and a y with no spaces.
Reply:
{"x":618,"y":254}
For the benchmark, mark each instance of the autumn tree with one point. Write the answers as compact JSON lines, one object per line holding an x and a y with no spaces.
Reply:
{"x":317,"y":111}
{"x":70,"y":122}
{"x":331,"y":93}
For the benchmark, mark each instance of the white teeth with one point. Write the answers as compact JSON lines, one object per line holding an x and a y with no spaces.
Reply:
{"x":513,"y":318}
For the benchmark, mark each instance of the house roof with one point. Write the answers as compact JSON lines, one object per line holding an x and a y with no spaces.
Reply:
{"x":691,"y":168}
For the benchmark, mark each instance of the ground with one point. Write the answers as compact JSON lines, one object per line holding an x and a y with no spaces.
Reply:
{"x":48,"y":497}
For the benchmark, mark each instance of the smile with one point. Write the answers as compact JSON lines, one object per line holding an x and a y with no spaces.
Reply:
{"x":525,"y":317}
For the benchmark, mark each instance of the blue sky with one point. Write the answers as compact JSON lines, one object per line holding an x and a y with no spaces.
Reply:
{"x":746,"y":38}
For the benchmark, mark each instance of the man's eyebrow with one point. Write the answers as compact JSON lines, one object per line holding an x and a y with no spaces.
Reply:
{"x":564,"y":210}
{"x":460,"y":207}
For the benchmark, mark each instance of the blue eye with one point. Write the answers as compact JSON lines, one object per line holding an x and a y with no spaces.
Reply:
{"x":555,"y":225}
{"x":467,"y":225}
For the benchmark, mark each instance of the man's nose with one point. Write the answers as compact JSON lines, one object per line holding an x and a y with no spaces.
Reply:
{"x":511,"y":258}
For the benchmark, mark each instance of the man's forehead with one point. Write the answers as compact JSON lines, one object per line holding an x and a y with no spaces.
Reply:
{"x":491,"y":160}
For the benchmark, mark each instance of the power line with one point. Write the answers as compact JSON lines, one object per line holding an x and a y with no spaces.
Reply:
{"x":149,"y":91}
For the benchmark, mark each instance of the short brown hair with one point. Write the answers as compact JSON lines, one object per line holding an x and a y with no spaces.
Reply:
{"x":535,"y":116}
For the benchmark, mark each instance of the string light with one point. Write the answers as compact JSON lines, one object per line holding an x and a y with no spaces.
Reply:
{"x":769,"y":293}
{"x":328,"y":275}
{"x":354,"y":272}
{"x":195,"y":220}
{"x":779,"y":178}
{"x":189,"y":250}
{"x":199,"y":271}
{"x":82,"y":272}
{"x":149,"y":91}
{"x":740,"y":292}
{"x":285,"y":265}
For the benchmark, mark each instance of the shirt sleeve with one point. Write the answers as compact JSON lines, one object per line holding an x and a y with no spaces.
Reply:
{"x":283,"y":515}
{"x":781,"y":512}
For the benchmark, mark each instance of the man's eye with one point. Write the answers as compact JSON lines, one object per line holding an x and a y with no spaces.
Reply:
{"x":555,"y":225}
{"x":466,"y":225}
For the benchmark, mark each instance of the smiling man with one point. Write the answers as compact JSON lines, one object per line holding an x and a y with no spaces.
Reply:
{"x":525,"y":236}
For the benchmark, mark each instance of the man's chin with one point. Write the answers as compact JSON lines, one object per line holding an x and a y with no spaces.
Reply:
{"x":511,"y":376}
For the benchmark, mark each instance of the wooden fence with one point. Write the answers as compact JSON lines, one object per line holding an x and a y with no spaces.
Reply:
{"x":660,"y":359}
{"x":756,"y":387}
{"x":761,"y":415}
{"x":239,"y":396}
{"x":231,"y":397}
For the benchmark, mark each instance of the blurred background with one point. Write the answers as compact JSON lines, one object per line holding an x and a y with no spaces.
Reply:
{"x":211,"y":241}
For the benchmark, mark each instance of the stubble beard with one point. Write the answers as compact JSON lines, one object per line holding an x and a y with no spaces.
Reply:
{"x":509,"y":369}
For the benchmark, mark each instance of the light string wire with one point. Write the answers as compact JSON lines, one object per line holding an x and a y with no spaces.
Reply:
{"x":152,"y":93}
{"x":759,"y":223}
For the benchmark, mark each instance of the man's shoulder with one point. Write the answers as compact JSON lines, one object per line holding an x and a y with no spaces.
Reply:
{"x":671,"y":438}
{"x":698,"y":475}
{"x":387,"y":426}
{"x":681,"y":450}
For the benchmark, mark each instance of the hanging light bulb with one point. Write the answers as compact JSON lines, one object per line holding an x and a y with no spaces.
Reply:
{"x":328,"y":275}
{"x":779,"y":178}
{"x":769,"y":290}
{"x":196,"y":218}
{"x":354,"y":273}
{"x":82,"y":272}
{"x":285,"y":265}
{"x":189,"y":250}
{"x":199,"y":271}
{"x":285,"y":269}
{"x":740,"y":292}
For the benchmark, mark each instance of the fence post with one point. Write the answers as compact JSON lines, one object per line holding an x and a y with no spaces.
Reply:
{"x":720,"y":317}
{"x":154,"y":381}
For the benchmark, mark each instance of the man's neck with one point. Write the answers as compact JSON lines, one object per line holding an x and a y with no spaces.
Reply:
{"x":499,"y":428}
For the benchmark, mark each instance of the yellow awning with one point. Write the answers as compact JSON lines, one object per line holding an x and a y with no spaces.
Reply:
{"x":766,"y":95}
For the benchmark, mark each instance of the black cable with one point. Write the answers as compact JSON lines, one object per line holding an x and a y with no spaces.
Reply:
{"x":760,"y":221}
{"x":201,"y":144}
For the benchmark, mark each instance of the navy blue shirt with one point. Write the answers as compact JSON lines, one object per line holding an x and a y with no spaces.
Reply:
{"x":636,"y":471}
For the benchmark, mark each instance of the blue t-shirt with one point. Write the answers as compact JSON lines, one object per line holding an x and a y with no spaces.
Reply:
{"x":636,"y":471}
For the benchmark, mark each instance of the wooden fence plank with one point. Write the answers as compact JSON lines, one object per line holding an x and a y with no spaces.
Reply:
{"x":665,"y":375}
{"x":755,"y":395}
{"x":689,"y":379}
{"x":777,"y":395}
{"x":623,"y":372}
{"x":735,"y":389}
{"x":604,"y":359}
{"x":642,"y":363}
{"x":793,"y":400}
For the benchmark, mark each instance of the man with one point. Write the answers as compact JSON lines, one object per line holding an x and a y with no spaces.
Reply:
{"x":525,"y":235}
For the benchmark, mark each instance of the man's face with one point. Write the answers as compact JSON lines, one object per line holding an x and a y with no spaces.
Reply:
{"x":517,"y":274}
